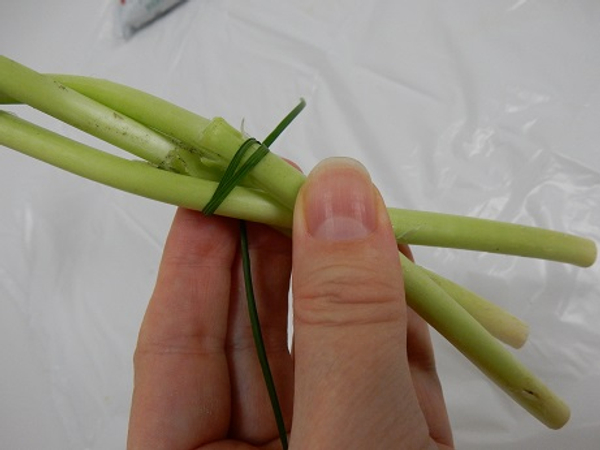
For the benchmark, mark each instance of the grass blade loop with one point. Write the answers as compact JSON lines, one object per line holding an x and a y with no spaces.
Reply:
{"x":234,"y":173}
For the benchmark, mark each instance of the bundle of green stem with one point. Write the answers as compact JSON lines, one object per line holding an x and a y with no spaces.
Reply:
{"x":186,"y":155}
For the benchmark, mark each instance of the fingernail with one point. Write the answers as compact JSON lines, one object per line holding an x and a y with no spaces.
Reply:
{"x":340,"y":201}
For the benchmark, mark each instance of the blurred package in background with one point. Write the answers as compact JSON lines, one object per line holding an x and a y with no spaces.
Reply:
{"x":136,"y":14}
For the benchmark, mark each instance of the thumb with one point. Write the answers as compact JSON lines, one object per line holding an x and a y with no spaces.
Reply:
{"x":352,"y":380}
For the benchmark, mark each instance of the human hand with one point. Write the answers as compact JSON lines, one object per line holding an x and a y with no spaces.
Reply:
{"x":361,"y":373}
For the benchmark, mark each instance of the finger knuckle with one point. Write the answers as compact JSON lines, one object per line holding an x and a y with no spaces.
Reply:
{"x":348,"y":295}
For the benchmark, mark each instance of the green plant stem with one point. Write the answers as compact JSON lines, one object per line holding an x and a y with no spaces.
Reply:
{"x":470,"y":233}
{"x":135,"y":176}
{"x":283,"y":182}
{"x":498,"y":322}
{"x":147,"y":181}
{"x":215,"y":137}
{"x":52,"y":97}
{"x":480,"y":347}
{"x":145,"y":108}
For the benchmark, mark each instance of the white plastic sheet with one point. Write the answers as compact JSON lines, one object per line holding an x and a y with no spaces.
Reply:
{"x":487,"y":109}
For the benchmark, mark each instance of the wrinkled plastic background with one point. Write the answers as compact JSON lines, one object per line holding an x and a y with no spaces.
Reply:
{"x":489,"y":109}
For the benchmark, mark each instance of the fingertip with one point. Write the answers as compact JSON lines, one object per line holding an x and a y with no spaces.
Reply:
{"x":194,"y":237}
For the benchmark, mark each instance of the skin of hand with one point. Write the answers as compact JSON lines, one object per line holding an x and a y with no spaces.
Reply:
{"x":361,"y":373}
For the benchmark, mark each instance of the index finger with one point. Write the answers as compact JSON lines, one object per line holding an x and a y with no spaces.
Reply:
{"x":181,"y":388}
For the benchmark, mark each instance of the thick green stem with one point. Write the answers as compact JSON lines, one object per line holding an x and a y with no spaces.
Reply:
{"x":272,"y":174}
{"x":52,"y":97}
{"x":470,"y":233}
{"x":498,"y":322}
{"x":480,"y":347}
{"x":216,"y":137}
{"x":148,"y":109}
{"x":282,"y":181}
{"x":99,"y":166}
{"x":135,"y":176}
